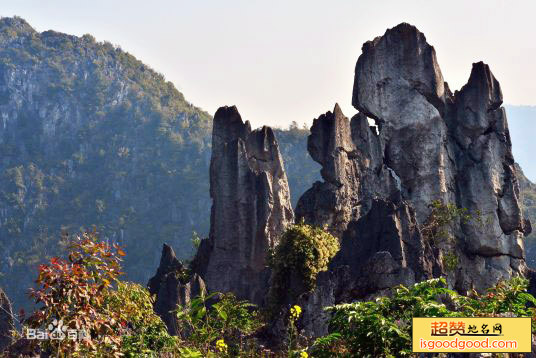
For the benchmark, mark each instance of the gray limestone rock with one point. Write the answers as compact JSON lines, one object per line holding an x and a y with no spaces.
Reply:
{"x":383,"y":249}
{"x":398,"y":83}
{"x":251,"y":207}
{"x":428,"y":144}
{"x":451,"y":147}
{"x":172,"y":288}
{"x":334,"y":201}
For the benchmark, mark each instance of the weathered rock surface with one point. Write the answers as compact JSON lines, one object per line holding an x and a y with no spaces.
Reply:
{"x":334,"y":201}
{"x":6,"y":321}
{"x":486,"y":182}
{"x":251,"y":207}
{"x":428,"y":144}
{"x":171,"y":289}
{"x":382,"y":249}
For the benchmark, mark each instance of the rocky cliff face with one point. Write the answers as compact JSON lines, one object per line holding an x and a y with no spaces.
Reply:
{"x":251,"y":207}
{"x":333,"y":202}
{"x":428,"y":144}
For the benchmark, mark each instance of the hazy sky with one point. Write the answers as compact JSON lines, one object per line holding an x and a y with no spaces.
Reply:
{"x":280,"y":61}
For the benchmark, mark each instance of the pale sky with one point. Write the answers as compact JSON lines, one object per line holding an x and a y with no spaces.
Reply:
{"x":283,"y":61}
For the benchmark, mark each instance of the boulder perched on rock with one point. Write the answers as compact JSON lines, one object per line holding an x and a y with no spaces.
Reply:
{"x":172,"y":288}
{"x":250,"y":209}
{"x":6,"y":321}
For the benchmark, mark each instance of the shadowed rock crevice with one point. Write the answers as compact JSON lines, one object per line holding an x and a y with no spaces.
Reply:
{"x":382,"y":249}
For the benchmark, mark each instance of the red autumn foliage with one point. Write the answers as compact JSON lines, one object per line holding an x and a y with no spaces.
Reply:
{"x":74,"y":292}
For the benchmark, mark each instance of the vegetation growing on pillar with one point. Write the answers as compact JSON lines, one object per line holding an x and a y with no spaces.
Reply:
{"x":303,"y":252}
{"x":439,"y":225}
{"x":439,"y":229}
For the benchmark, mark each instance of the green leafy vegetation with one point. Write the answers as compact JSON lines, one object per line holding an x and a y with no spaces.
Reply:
{"x":223,"y":328}
{"x":95,"y":137}
{"x":84,"y":294}
{"x":382,"y":328}
{"x":302,"y":253}
{"x":439,"y":228}
{"x":142,"y":331}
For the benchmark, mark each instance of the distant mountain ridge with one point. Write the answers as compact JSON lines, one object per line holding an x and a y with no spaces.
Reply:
{"x":90,"y":135}
{"x":528,"y":197}
{"x":522,"y":124}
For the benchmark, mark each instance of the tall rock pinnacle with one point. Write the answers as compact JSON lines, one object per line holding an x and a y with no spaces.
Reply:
{"x":251,"y":207}
{"x":398,"y":82}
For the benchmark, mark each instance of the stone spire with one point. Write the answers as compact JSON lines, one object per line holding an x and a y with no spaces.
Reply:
{"x":250,"y":209}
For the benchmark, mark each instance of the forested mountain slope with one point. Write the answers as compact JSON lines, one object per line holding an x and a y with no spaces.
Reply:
{"x":91,"y":136}
{"x":528,"y":197}
{"x":522,"y":125}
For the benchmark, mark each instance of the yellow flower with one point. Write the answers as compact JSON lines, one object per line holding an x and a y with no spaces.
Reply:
{"x":221,"y":346}
{"x":295,"y":312}
{"x":304,"y":355}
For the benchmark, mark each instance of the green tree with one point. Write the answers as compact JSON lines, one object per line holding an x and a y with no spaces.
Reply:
{"x":302,"y":253}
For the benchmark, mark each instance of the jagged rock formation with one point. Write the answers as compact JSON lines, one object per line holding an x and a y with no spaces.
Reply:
{"x":334,"y":201}
{"x":428,"y":144}
{"x":172,"y":288}
{"x":346,"y":151}
{"x":251,"y":207}
{"x":6,"y":321}
{"x":378,"y":183}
